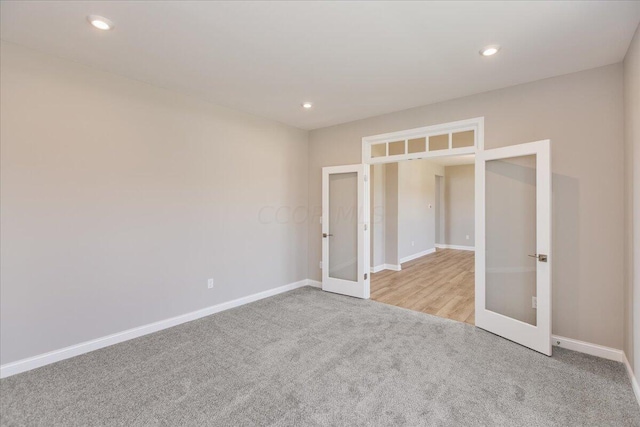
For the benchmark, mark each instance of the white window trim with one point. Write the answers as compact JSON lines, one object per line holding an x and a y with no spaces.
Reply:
{"x":475,"y":124}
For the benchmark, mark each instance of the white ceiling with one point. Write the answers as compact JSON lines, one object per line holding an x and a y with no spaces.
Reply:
{"x":351,"y":59}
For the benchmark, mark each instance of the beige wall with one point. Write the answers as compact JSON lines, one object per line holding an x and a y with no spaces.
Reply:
{"x":583,"y":116}
{"x":403,"y":223}
{"x":459,"y":205}
{"x":416,"y":206}
{"x":120,"y":200}
{"x":391,"y":214}
{"x":440,"y":209}
{"x":632,"y":201}
{"x":377,"y":240}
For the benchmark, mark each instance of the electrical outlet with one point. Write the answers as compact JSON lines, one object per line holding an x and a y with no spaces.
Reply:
{"x":210,"y":283}
{"x":467,"y":237}
{"x":534,"y":302}
{"x":413,"y":243}
{"x":320,"y":265}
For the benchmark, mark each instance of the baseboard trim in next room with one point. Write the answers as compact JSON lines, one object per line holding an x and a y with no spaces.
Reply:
{"x":416,"y":256}
{"x":34,"y":362}
{"x":458,"y":247}
{"x":394,"y":267}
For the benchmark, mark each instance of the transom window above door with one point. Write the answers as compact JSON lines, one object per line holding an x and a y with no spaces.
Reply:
{"x":454,"y":138}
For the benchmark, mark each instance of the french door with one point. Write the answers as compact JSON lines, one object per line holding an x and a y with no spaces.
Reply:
{"x":345,"y":230}
{"x":513,"y":243}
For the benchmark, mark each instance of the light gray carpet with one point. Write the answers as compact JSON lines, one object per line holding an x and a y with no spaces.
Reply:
{"x":312,"y":358}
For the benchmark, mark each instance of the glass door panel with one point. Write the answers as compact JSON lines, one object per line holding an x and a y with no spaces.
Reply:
{"x":343,"y":226}
{"x":511,"y":236}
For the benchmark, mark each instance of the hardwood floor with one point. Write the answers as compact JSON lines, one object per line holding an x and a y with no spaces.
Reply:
{"x":441,"y":283}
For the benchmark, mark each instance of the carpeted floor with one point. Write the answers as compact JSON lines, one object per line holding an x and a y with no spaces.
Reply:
{"x":312,"y":358}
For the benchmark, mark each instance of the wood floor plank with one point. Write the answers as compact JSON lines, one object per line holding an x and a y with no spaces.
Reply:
{"x":441,"y":283}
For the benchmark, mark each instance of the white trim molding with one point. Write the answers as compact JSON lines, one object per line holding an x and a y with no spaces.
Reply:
{"x":377,"y":268}
{"x":599,"y":351}
{"x":417,"y":255}
{"x":34,"y":362}
{"x":588,"y":348}
{"x":314,"y":283}
{"x":457,"y":247}
{"x":404,"y":136}
{"x":393,"y":267}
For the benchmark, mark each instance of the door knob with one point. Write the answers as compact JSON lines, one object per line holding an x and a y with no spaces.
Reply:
{"x":326,"y":235}
{"x":541,"y":257}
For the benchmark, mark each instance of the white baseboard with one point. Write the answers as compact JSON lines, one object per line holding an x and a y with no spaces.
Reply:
{"x":599,"y":351}
{"x":24,"y":365}
{"x":588,"y":348}
{"x":458,"y":247}
{"x":377,"y":268}
{"x":632,"y":378}
{"x":314,"y":283}
{"x":416,"y":256}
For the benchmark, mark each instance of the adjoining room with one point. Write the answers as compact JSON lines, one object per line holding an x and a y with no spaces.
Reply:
{"x":422,"y":228}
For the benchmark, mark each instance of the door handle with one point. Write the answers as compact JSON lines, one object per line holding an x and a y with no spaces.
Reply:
{"x":541,"y":257}
{"x":326,"y":235}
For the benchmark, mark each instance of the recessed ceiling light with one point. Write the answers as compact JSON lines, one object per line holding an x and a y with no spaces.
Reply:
{"x":307,"y":105}
{"x":100,"y":22}
{"x":489,"y":50}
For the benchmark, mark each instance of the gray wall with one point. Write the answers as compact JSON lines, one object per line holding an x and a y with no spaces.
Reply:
{"x":632,"y":202}
{"x":440,"y":209}
{"x":403,"y":224}
{"x":391,"y":214}
{"x":120,"y":200}
{"x":582,"y":113}
{"x":416,"y":206}
{"x":459,"y":205}
{"x":377,"y":173}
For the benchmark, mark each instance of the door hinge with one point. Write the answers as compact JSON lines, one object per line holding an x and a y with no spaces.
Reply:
{"x":365,"y":276}
{"x":365,"y":227}
{"x":366,"y":178}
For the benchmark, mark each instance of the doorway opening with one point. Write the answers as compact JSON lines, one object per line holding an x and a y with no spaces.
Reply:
{"x":422,"y":235}
{"x":512,"y":235}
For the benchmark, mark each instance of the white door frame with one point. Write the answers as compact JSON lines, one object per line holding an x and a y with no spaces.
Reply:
{"x":543,"y":211}
{"x":361,"y":287}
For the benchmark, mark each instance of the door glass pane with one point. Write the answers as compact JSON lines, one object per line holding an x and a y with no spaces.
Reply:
{"x":511,"y":237}
{"x":418,"y":145}
{"x":343,"y":226}
{"x":463,"y":139}
{"x":379,"y":150}
{"x":396,"y":148}
{"x":439,"y":142}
